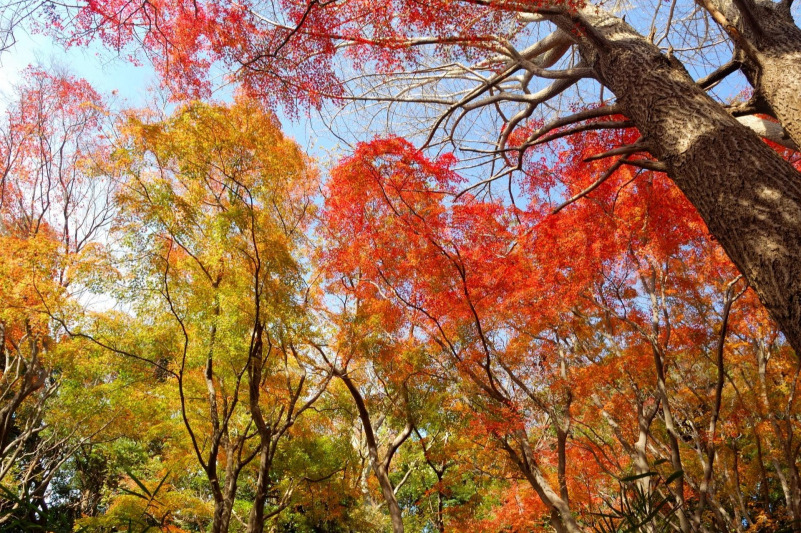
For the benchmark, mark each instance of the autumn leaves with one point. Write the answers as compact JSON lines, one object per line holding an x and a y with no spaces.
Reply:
{"x":204,"y":329}
{"x":374,"y":352}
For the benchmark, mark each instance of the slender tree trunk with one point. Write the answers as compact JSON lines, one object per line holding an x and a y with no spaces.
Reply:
{"x":711,"y":451}
{"x":764,"y":482}
{"x":673,"y":440}
{"x":794,"y":481}
{"x":440,"y":519}
{"x":380,"y":466}
{"x":256,"y":517}
{"x":644,"y":421}
{"x":255,"y":364}
{"x":563,"y":431}
{"x":792,"y":489}
{"x":395,"y":513}
{"x":738,"y":491}
{"x":788,"y":499}
{"x":223,"y":506}
{"x":749,"y":197}
{"x":561,"y":450}
{"x":561,"y":518}
{"x":439,"y":471}
{"x":33,"y":379}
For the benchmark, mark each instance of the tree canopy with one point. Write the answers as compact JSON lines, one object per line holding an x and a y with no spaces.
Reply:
{"x":552,"y":282}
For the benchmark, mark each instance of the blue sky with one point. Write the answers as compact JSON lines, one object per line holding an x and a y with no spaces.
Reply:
{"x":104,"y":72}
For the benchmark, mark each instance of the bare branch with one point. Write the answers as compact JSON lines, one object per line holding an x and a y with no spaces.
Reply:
{"x":620,"y":150}
{"x":715,"y":77}
{"x":597,"y":183}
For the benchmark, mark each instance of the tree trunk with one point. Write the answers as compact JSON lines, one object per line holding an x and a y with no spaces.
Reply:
{"x":770,"y":50}
{"x":749,"y":197}
{"x":561,"y":451}
{"x":673,"y":441}
{"x":224,"y":494}
{"x":764,"y":483}
{"x":561,"y":518}
{"x":440,"y":509}
{"x":256,"y":517}
{"x":223,"y":508}
{"x":395,"y":513}
{"x":784,"y":441}
{"x":380,"y":466}
{"x":641,"y":464}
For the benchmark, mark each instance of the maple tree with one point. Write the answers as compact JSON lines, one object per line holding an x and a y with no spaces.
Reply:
{"x":522,"y":306}
{"x":481,"y":62}
{"x":213,"y":204}
{"x":528,"y":307}
{"x":53,"y":215}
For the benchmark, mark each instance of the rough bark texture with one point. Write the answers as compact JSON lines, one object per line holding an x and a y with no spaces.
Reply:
{"x":749,"y":197}
{"x":773,"y":65}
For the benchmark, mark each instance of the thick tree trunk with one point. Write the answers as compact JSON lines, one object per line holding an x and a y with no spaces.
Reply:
{"x":770,"y":45}
{"x":749,"y":197}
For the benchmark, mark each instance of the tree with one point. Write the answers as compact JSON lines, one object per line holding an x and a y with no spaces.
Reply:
{"x":485,"y":62}
{"x":387,"y":198}
{"x":590,"y":344}
{"x":214,"y":203}
{"x":54,"y":213}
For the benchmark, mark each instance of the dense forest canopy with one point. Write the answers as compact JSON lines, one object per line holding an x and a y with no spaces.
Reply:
{"x":549,"y":281}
